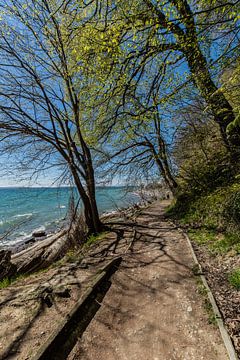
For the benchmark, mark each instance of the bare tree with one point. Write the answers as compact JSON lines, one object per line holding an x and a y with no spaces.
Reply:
{"x":139,"y":145}
{"x":39,"y":102}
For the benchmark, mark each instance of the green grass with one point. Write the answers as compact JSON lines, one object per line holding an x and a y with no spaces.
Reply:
{"x":95,"y":238}
{"x":206,"y":302}
{"x":217,"y":243}
{"x":4,"y":283}
{"x":209,"y":310}
{"x":71,"y":256}
{"x":74,"y":255}
{"x":234,"y":279}
{"x":212,"y":219}
{"x":209,"y":210}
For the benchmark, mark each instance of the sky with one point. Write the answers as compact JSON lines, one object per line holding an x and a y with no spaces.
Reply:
{"x":46,"y":179}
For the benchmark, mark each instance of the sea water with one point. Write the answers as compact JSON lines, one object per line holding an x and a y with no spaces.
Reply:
{"x":24,"y":210}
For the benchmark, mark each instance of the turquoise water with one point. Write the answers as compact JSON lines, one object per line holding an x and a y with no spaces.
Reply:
{"x":23,"y":210}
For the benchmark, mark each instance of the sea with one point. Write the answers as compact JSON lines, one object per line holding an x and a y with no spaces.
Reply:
{"x":25,"y":210}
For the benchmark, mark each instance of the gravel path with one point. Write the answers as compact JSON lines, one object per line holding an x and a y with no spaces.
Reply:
{"x":153,"y":310}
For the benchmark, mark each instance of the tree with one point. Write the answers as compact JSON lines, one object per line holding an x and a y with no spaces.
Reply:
{"x":178,"y":31}
{"x":230,"y":87}
{"x":199,"y":152}
{"x":139,"y":143}
{"x":39,"y":101}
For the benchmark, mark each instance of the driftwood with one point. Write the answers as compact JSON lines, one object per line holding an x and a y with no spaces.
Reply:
{"x":45,"y":252}
{"x":7,"y":268}
{"x":42,"y":254}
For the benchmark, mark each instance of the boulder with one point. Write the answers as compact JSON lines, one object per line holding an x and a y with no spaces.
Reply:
{"x":39,"y":233}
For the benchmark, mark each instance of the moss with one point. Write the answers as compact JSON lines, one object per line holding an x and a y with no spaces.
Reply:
{"x":234,"y":279}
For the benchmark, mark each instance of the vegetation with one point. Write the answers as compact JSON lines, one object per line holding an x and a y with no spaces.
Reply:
{"x":234,"y":279}
{"x":4,"y":283}
{"x":144,"y":89}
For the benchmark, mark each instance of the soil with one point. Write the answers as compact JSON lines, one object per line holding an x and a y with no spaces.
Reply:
{"x":152,"y":311}
{"x":216,"y":270}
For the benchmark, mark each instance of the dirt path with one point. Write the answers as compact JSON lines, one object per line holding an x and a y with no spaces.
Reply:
{"x":153,"y":310}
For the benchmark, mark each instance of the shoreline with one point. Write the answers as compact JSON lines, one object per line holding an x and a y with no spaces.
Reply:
{"x":145,"y":197}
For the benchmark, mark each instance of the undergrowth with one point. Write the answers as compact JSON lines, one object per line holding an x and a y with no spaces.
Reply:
{"x":234,"y":278}
{"x":4,"y":283}
{"x":94,"y":238}
{"x":213,"y":219}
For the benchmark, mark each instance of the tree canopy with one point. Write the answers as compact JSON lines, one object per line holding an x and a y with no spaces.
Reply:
{"x":105,"y":86}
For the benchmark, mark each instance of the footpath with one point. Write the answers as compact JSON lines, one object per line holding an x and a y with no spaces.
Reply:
{"x":154,"y":309}
{"x":151,"y":306}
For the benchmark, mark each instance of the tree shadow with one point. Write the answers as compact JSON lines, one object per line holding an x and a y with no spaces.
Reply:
{"x":141,"y":243}
{"x":36,"y":303}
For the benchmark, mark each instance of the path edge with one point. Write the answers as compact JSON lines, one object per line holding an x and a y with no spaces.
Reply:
{"x":102,"y":275}
{"x":219,"y":319}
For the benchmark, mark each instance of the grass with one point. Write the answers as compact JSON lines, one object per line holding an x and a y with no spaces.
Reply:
{"x":95,"y":238}
{"x":218,"y":243}
{"x":74,"y":255}
{"x":210,"y":210}
{"x":209,"y":310}
{"x":212,"y":219}
{"x":234,"y":279}
{"x":4,"y":283}
{"x":71,"y":256}
{"x":206,"y":302}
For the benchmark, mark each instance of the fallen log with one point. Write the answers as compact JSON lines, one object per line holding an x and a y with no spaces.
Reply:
{"x":42,"y":254}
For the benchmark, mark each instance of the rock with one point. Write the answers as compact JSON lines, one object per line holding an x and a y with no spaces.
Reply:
{"x":39,"y":233}
{"x":30,"y":241}
{"x":7,"y":269}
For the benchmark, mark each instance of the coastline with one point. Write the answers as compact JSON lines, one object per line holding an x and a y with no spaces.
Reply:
{"x":24,"y":210}
{"x":145,"y":196}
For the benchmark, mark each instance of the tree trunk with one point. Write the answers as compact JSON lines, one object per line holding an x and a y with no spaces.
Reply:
{"x":92,"y":194}
{"x":164,"y":170}
{"x":220,"y":107}
{"x":172,"y":182}
{"x":89,"y":203}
